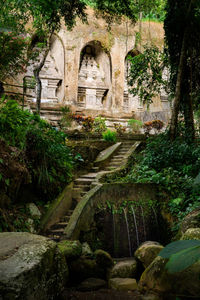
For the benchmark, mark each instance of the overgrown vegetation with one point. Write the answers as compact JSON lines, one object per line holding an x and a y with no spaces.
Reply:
{"x":43,"y":148}
{"x":174,"y":167}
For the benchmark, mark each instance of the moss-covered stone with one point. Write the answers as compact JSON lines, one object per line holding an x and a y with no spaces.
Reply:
{"x":70,"y":249}
{"x":157,"y":279}
{"x":103,"y":258}
{"x":83,"y":268}
{"x":191,"y":234}
{"x":124,"y":269}
{"x":192,"y":220}
{"x":31,"y":267}
{"x":147,"y":252}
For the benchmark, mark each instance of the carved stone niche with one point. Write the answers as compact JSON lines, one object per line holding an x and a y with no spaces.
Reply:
{"x":91,"y":87}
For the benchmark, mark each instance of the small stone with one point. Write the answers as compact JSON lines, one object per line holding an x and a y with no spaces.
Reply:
{"x":31,"y":227}
{"x":124,"y":269}
{"x":123,"y":284}
{"x":34,"y":211}
{"x":92,"y":284}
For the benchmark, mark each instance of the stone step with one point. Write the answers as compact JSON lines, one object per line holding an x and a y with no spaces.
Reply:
{"x":57,"y":232}
{"x":83,"y":194}
{"x":95,"y":169}
{"x":117,"y":159}
{"x":54,"y":238}
{"x":82,"y":187}
{"x":89,"y":175}
{"x":59,"y":225}
{"x":85,"y":181}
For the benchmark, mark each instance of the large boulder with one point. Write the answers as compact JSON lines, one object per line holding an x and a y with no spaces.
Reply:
{"x":70,"y":249}
{"x":103,"y":259}
{"x":126,"y":268}
{"x":147,"y":252}
{"x":31,"y":267}
{"x":192,"y":220}
{"x":191,"y":234}
{"x":156,"y":278}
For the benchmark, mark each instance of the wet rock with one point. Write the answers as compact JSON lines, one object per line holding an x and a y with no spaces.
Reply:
{"x":191,"y":234}
{"x":34,"y":211}
{"x":31,"y":267}
{"x":157,"y":279}
{"x":70,"y":249}
{"x":192,"y":220}
{"x":147,"y":252}
{"x":124,"y":269}
{"x":103,"y":258}
{"x":123,"y":284}
{"x":92,"y":284}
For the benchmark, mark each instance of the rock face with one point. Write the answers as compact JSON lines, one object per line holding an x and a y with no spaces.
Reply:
{"x":124,"y":269}
{"x":158,"y":280}
{"x":147,"y":252}
{"x":123,"y":284}
{"x":192,"y":220}
{"x":191,"y":234}
{"x":92,"y":284}
{"x":31,"y":267}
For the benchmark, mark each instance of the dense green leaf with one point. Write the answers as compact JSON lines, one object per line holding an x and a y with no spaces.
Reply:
{"x":177,"y":246}
{"x":183,"y":259}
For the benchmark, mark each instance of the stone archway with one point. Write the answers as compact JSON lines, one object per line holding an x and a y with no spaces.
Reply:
{"x":94,"y":80}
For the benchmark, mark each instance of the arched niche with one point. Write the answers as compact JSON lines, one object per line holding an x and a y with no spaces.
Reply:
{"x":130,"y":102}
{"x":52,"y":73}
{"x":94,"y":78}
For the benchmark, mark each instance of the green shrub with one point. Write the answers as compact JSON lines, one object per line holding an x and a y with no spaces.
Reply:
{"x":109,"y":136}
{"x":135,"y":125}
{"x":99,"y":124}
{"x":48,"y":159}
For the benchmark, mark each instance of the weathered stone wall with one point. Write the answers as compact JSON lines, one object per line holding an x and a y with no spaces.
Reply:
{"x":86,"y":69}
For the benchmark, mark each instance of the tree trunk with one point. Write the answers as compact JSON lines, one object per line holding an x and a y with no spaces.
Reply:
{"x":180,"y":76}
{"x":36,"y":72}
{"x":176,"y":105}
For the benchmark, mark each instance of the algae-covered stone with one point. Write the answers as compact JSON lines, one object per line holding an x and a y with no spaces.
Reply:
{"x":124,"y":269}
{"x":31,"y":267}
{"x":192,"y":220}
{"x":191,"y":234}
{"x":70,"y":249}
{"x":83,"y":268}
{"x":147,"y":252}
{"x":157,"y":279}
{"x":123,"y":284}
{"x":103,"y":258}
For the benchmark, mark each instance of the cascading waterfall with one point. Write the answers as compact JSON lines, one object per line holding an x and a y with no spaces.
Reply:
{"x":143,"y":220}
{"x":136,"y":228}
{"x":114,"y":231}
{"x":156,"y":218}
{"x":128,"y":232}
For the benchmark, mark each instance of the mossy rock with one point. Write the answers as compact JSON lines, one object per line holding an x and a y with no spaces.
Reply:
{"x":31,"y":267}
{"x":123,"y":284}
{"x":192,"y":220}
{"x":83,"y":268}
{"x":191,"y":234}
{"x":147,"y":252}
{"x":70,"y":249}
{"x":103,"y":258}
{"x":126,"y":268}
{"x":157,"y":279}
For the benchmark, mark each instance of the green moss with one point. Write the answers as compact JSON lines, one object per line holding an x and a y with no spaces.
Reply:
{"x":70,"y":249}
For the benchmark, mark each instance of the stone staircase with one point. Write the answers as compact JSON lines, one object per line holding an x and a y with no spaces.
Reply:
{"x":81,"y":187}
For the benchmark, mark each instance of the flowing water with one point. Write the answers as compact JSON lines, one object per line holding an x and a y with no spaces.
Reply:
{"x":128,"y":232}
{"x":136,"y":228}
